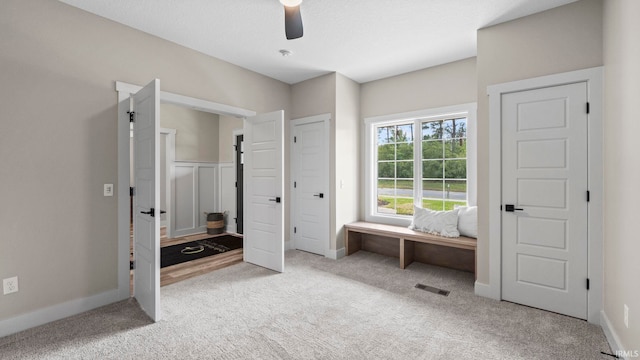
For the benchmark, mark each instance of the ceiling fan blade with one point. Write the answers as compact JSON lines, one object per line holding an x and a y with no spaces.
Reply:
{"x":292,"y":22}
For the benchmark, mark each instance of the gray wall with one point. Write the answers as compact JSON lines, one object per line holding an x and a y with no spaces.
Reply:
{"x":558,"y":40}
{"x":58,"y":141}
{"x":621,"y":170}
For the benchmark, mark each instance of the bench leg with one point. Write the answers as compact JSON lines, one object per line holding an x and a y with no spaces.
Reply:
{"x":406,"y":252}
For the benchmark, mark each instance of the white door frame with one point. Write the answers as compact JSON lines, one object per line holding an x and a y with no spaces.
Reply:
{"x":235,"y":134}
{"x":594,"y":79}
{"x":124,"y":105}
{"x":170,"y":157}
{"x":326,"y":119}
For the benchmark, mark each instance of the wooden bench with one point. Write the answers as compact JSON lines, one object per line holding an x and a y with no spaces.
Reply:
{"x":406,"y":237}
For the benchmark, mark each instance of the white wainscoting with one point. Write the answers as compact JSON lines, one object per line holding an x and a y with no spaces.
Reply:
{"x":195,"y":191}
{"x":228,"y":194}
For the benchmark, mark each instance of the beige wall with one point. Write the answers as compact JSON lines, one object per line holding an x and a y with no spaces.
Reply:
{"x":558,"y":40}
{"x":197,"y":132}
{"x":58,"y":141}
{"x":339,"y":96}
{"x":622,"y":170}
{"x":228,"y":124}
{"x":346,"y":183}
{"x":314,"y":97}
{"x":448,"y":84}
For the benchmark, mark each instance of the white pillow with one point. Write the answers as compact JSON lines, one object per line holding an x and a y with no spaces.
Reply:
{"x":443,"y":223}
{"x":468,"y":221}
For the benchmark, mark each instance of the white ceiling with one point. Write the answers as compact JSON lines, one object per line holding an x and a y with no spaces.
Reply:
{"x":362,"y":39}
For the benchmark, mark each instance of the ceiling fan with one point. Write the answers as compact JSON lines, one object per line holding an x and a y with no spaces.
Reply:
{"x":292,"y":19}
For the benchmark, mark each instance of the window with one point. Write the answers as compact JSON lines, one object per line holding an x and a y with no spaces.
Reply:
{"x":419,"y":158}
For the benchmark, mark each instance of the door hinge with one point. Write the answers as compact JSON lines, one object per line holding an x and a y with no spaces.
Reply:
{"x":587,"y":283}
{"x":295,"y":139}
{"x":236,"y":220}
{"x":588,"y":108}
{"x":132,"y":191}
{"x":132,"y":116}
{"x":295,"y":230}
{"x":132,"y":265}
{"x":295,"y":184}
{"x":236,"y":184}
{"x":588,"y":196}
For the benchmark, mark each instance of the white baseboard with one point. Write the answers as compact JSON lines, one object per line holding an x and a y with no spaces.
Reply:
{"x":335,"y":254}
{"x":485,"y":290}
{"x":614,"y":340}
{"x":56,"y":312}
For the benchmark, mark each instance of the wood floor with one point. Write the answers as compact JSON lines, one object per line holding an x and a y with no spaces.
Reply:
{"x":179,"y":272}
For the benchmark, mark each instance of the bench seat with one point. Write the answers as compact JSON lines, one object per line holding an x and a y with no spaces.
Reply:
{"x":406,"y":239}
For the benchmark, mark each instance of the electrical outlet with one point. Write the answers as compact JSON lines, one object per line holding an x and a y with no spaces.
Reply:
{"x":626,"y":316}
{"x":10,"y":285}
{"x":108,"y":189}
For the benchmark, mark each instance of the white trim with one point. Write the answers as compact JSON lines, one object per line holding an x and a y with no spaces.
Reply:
{"x":594,"y":79}
{"x":326,"y":120}
{"x":230,"y":227}
{"x":483,"y":290}
{"x":198,"y":227}
{"x":612,"y":337}
{"x":468,"y":110}
{"x":235,"y":134}
{"x":56,"y":312}
{"x":170,"y":157}
{"x":335,"y":254}
{"x":194,"y":103}
{"x":124,"y":105}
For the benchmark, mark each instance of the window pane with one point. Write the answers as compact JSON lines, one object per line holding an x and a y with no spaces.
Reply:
{"x":404,"y":133}
{"x":404,"y":151}
{"x":455,"y":128}
{"x":432,"y":149}
{"x":432,"y":130}
{"x":455,"y":148}
{"x":455,"y":169}
{"x":432,"y":169}
{"x":385,"y":135}
{"x":386,"y":152}
{"x":404,"y":169}
{"x":432,"y":188}
{"x":404,"y":197}
{"x":433,"y":204}
{"x":386,"y":169}
{"x":455,"y":190}
{"x":386,"y":204}
{"x":432,"y":194}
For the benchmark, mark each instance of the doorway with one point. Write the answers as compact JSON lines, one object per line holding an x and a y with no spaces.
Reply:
{"x":148,"y":113}
{"x":530,"y":129}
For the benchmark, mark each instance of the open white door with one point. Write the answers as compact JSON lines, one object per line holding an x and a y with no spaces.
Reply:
{"x":263,"y":190}
{"x":146,"y":200}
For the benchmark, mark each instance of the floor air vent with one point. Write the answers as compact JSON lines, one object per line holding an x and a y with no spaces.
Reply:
{"x":432,"y":289}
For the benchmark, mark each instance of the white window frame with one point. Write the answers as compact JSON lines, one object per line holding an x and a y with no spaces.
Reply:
{"x":418,"y":117}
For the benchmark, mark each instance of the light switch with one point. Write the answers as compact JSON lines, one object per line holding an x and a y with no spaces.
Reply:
{"x":108,"y":189}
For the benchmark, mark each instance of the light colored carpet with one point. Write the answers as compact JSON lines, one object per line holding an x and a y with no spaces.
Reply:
{"x":360,"y":307}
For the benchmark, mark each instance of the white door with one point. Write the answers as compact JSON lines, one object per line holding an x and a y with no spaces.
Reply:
{"x":264,"y":190}
{"x":544,"y":197}
{"x":310,"y":173}
{"x":146,"y":200}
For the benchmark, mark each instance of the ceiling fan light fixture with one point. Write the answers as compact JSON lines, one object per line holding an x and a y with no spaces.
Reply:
{"x":290,"y":3}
